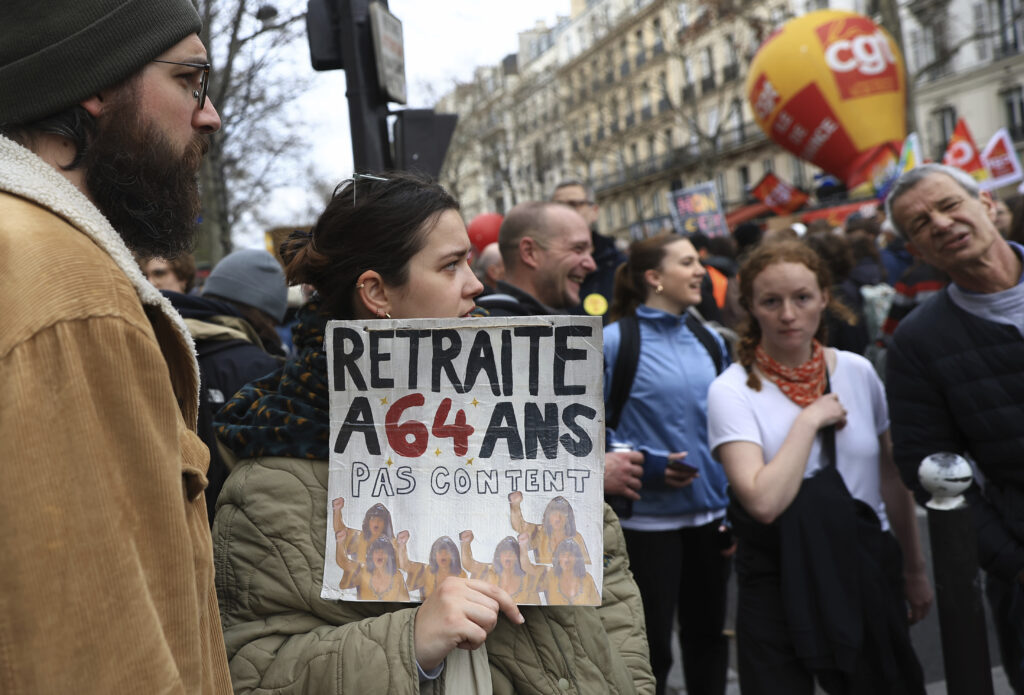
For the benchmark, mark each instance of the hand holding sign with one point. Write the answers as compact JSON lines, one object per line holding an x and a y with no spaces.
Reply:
{"x":461,"y":613}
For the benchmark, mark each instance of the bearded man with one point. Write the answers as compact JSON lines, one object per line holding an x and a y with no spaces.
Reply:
{"x":107,"y":584}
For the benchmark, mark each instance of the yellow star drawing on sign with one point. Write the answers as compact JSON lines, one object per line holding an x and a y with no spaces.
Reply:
{"x":469,"y":461}
{"x":383,"y":401}
{"x":475,"y":402}
{"x":389,"y":461}
{"x":437,"y":452}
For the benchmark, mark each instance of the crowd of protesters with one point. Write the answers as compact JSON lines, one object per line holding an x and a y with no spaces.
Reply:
{"x":165,"y":492}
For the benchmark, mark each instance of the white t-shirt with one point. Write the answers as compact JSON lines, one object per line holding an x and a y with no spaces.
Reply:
{"x":737,"y":413}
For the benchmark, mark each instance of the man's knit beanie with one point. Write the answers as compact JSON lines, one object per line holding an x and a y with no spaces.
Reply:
{"x":252,"y":277}
{"x":57,"y":53}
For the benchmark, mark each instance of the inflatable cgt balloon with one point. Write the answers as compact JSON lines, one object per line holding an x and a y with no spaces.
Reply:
{"x":829,"y":87}
{"x":484,"y":229}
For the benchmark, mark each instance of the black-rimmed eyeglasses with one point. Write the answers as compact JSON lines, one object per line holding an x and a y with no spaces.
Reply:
{"x":204,"y":79}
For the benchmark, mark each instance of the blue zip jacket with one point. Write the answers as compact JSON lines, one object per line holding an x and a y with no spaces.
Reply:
{"x":667,"y":411}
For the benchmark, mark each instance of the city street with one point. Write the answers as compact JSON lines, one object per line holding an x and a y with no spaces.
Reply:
{"x":925,"y":636}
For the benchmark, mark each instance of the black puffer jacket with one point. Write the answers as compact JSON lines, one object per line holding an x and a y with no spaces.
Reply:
{"x":956,"y":383}
{"x":230,"y":356}
{"x":509,"y":300}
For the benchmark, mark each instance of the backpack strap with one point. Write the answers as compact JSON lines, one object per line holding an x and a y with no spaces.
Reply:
{"x":629,"y":355}
{"x":625,"y":369}
{"x":706,"y":339}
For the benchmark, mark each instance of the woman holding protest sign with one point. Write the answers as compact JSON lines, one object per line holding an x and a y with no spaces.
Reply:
{"x":559,"y":523}
{"x":375,"y":579}
{"x":506,"y":570}
{"x":391,"y":246}
{"x":802,"y":432}
{"x":678,"y":549}
{"x":376,"y":524}
{"x":566,"y":582}
{"x":426,"y":577}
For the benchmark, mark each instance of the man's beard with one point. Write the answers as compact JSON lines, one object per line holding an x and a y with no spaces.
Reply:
{"x":144,"y":186}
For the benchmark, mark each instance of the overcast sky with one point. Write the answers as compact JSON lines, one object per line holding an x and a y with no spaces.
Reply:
{"x":444,"y":42}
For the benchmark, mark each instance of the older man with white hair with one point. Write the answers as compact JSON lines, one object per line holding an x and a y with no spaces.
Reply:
{"x":955,"y":373}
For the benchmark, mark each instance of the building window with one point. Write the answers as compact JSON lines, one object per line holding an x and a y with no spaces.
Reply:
{"x":720,"y":184}
{"x":981,"y":44}
{"x":768,"y":165}
{"x":1010,"y":21}
{"x":623,"y":213}
{"x":634,"y":151}
{"x":684,"y":15}
{"x":797,"y":167}
{"x":1013,"y":100}
{"x":941,"y":126}
{"x":668,"y":139}
{"x":656,"y":203}
{"x":744,"y":174}
{"x":707,"y":62}
{"x":651,"y":146}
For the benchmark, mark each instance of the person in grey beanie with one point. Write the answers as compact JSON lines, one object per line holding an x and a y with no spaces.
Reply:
{"x":108,"y":582}
{"x":252,"y":277}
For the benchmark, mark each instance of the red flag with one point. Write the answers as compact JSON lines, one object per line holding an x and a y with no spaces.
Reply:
{"x":782,"y":197}
{"x":962,"y":153}
{"x":1000,"y":156}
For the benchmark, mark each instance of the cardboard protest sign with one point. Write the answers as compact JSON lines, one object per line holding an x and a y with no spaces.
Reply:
{"x":696,"y":209}
{"x":472,"y":447}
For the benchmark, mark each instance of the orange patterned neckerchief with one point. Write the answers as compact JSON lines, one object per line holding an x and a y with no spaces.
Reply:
{"x":804,"y":384}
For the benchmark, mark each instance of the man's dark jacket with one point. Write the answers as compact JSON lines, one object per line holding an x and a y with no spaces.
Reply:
{"x":509,"y":300}
{"x":607,"y":258}
{"x":955,"y":383}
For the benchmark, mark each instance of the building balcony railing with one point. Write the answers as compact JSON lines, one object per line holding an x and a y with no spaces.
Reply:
{"x":1017,"y":131}
{"x":730,"y":72}
{"x":678,"y":158}
{"x":747,"y":133}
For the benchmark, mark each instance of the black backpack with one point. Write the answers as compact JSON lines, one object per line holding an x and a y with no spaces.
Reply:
{"x":629,"y":354}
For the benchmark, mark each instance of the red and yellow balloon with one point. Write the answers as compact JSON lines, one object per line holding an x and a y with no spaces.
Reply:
{"x":830,"y":87}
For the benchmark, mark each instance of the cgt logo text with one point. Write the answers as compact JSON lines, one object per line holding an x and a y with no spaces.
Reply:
{"x":860,"y":56}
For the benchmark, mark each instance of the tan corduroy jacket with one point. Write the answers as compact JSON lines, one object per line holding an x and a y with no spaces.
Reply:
{"x":106,"y":571}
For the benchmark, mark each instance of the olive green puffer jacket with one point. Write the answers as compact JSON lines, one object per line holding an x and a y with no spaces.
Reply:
{"x":282,"y":638}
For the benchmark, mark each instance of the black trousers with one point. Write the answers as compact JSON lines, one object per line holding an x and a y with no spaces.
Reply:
{"x":1007,"y":603}
{"x":766,"y":659}
{"x":682,"y":574}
